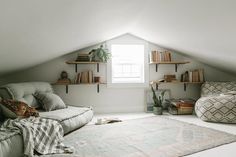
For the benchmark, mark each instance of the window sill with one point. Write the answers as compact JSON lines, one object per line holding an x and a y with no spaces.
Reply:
{"x":127,"y":85}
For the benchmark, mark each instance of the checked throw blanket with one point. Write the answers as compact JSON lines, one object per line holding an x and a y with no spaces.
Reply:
{"x":41,"y":135}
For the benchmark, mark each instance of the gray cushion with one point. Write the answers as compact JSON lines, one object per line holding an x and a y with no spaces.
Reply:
{"x":70,"y":118}
{"x":24,"y":91}
{"x":50,"y":101}
{"x":7,"y":113}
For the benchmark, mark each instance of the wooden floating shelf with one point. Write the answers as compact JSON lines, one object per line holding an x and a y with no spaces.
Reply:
{"x":184,"y":83}
{"x":79,"y":62}
{"x":176,"y":63}
{"x":76,"y":83}
{"x":69,"y":84}
{"x":157,"y":82}
{"x":172,"y":62}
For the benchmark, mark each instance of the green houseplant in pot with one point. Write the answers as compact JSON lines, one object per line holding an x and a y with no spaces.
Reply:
{"x":100,"y":54}
{"x":158,"y":100}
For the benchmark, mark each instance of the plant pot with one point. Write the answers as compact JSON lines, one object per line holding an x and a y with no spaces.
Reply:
{"x":157,"y":110}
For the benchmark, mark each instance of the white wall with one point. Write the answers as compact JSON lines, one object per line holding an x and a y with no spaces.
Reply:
{"x":113,"y":99}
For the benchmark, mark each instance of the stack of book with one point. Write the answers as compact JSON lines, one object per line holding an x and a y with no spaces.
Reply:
{"x":160,"y":56}
{"x":83,"y":58}
{"x":169,"y":78}
{"x":63,"y":81}
{"x":181,"y":106}
{"x":84,"y":77}
{"x":196,"y":75}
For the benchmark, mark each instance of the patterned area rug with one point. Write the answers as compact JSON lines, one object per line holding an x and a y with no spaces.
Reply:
{"x":145,"y":137}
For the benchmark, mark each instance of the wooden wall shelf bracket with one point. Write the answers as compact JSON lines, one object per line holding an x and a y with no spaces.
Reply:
{"x":98,"y":88}
{"x":157,"y":67}
{"x":185,"y":86}
{"x":176,"y":67}
{"x":97,"y":67}
{"x":76,"y":68}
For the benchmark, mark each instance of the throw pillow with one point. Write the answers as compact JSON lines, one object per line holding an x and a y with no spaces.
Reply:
{"x":13,"y":109}
{"x":50,"y":101}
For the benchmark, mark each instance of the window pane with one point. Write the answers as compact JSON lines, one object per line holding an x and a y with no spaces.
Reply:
{"x":127,"y":63}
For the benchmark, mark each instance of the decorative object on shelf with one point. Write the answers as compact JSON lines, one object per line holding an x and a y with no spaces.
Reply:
{"x":169,"y":78}
{"x":158,"y":100}
{"x":181,"y":106}
{"x":64,"y":78}
{"x":84,"y":58}
{"x":97,"y":79}
{"x":100,"y":54}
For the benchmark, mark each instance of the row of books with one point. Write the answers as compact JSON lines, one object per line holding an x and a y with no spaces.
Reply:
{"x":157,"y":56}
{"x":196,"y":75}
{"x":181,"y":106}
{"x":84,"y":77}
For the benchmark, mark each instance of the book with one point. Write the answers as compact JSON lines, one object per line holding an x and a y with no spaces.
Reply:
{"x":84,"y":77}
{"x":185,"y":110}
{"x":169,"y":56}
{"x":76,"y":78}
{"x":181,"y":102}
{"x":90,"y":77}
{"x":79,"y":78}
{"x":158,"y":58}
{"x":190,"y":76}
{"x":102,"y":121}
{"x":196,"y":76}
{"x":153,"y":56}
{"x":180,"y":111}
{"x":201,"y":75}
{"x":169,"y":78}
{"x":83,"y":57}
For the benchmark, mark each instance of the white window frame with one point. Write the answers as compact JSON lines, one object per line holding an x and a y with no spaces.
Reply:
{"x":128,"y":41}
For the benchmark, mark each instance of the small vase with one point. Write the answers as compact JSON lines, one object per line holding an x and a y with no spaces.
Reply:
{"x":157,"y":110}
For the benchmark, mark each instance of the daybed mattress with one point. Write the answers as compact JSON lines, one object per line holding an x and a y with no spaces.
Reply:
{"x":70,"y":118}
{"x":11,"y":144}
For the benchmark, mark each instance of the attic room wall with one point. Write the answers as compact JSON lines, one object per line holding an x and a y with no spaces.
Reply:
{"x":114,"y":99}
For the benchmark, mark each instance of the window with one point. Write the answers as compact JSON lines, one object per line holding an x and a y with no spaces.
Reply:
{"x":127,"y":63}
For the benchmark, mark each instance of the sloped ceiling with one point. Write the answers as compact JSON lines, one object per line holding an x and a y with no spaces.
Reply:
{"x":35,"y":31}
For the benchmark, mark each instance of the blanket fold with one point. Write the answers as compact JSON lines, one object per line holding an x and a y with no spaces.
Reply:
{"x":42,"y":135}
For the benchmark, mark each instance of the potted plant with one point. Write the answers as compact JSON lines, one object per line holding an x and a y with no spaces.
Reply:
{"x":100,"y":54}
{"x":157,"y":107}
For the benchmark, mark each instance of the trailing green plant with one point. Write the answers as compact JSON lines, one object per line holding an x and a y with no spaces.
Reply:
{"x":158,"y":100}
{"x":100,"y":54}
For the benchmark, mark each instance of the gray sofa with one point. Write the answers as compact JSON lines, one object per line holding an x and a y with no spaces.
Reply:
{"x":71,"y":118}
{"x":217,"y":102}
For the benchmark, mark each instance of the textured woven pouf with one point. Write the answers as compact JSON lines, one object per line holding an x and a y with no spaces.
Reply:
{"x":220,"y":108}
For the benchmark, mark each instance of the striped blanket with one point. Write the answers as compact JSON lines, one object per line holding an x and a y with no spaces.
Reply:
{"x":41,"y":135}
